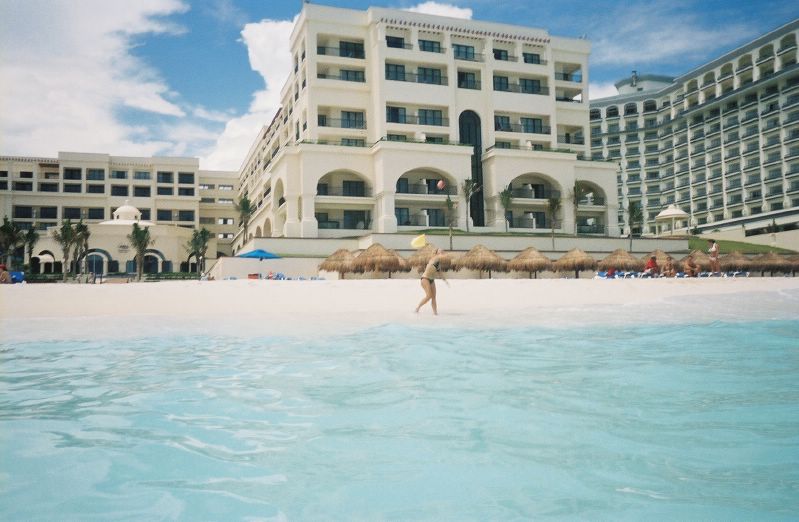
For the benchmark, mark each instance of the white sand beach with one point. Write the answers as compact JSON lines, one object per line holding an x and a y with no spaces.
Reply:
{"x":303,"y":308}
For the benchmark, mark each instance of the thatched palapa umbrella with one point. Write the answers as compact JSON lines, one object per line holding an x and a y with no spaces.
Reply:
{"x":794,"y":263}
{"x":530,"y":260}
{"x":339,"y":261}
{"x":660,"y":257}
{"x":771,"y":262}
{"x":377,"y":258}
{"x":620,"y":259}
{"x":575,"y":259}
{"x":480,"y":258}
{"x":735,"y":261}
{"x":701,"y":259}
{"x":422,"y":256}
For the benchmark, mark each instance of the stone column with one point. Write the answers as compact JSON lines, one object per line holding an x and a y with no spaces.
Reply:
{"x":292,"y":226}
{"x":309,"y":227}
{"x":386,"y":221}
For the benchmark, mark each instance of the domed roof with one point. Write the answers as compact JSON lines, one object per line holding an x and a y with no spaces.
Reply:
{"x":127,"y":212}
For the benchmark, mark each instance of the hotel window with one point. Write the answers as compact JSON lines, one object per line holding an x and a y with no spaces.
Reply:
{"x":225,"y":187}
{"x":321,"y":189}
{"x":395,"y":72}
{"x":502,"y":145}
{"x":165,"y":191}
{"x":395,"y":42}
{"x":502,"y":123}
{"x":206,"y":186}
{"x":352,"y":120}
{"x":531,"y":57}
{"x":501,"y":54}
{"x":165,"y":177}
{"x":532,"y":125}
{"x":95,"y":189}
{"x":429,"y":75}
{"x":353,"y":188}
{"x":164,"y":215}
{"x":467,"y":80}
{"x":395,"y":115}
{"x":23,"y":212}
{"x":501,"y":83}
{"x":436,"y":217}
{"x":48,"y":213}
{"x":185,"y":215}
{"x":463,"y":52}
{"x":207,"y":200}
{"x":403,"y":216}
{"x":141,"y":192}
{"x":95,"y":174}
{"x":72,"y":188}
{"x":145,"y":213}
{"x":185,"y":191}
{"x":96,"y":213}
{"x":3,"y":185}
{"x":3,"y":173}
{"x":186,"y":178}
{"x":225,"y":221}
{"x":70,"y":213}
{"x":430,"y":117}
{"x":434,"y":139}
{"x":141,"y":174}
{"x":26,"y":175}
{"x":48,"y":187}
{"x":116,"y":190}
{"x":206,"y":221}
{"x":352,"y":76}
{"x":351,"y":49}
{"x":225,"y":235}
{"x":119,"y":174}
{"x":396,"y":137}
{"x":530,"y":86}
{"x":429,"y":46}
{"x":225,"y":201}
{"x":72,"y":174}
{"x":25,"y":186}
{"x":353,"y":142}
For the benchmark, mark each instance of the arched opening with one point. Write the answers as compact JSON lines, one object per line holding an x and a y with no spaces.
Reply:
{"x":278,"y":206}
{"x":45,"y":261}
{"x":471,"y":134}
{"x":531,"y":193}
{"x":258,"y":232}
{"x":420,"y":199}
{"x":343,"y":201}
{"x":590,"y":210}
{"x":630,"y":108}
{"x":650,"y":105}
{"x":612,"y":112}
{"x":267,"y":228}
{"x":595,"y":114}
{"x":150,"y":264}
{"x":95,"y":264}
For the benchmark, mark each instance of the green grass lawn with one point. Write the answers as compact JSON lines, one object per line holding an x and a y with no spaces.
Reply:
{"x":726,"y":246}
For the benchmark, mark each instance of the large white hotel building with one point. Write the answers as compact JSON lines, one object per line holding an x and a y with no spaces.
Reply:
{"x":721,"y":142}
{"x":382,"y":104}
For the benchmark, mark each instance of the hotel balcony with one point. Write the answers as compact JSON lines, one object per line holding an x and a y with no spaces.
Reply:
{"x":418,"y":78}
{"x":339,"y":123}
{"x":524,"y":129}
{"x":354,"y":52}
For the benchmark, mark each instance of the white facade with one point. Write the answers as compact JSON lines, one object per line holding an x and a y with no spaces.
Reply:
{"x":721,"y":142}
{"x":171,"y":192}
{"x":382,"y":104}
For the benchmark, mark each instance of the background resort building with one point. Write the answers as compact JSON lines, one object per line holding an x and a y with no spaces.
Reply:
{"x":720,"y":142}
{"x":383,"y":104}
{"x":170,"y":195}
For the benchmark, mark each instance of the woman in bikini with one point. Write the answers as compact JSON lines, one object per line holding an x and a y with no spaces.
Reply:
{"x":432,"y":270}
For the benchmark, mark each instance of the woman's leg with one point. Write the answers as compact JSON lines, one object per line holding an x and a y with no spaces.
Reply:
{"x":433,"y":298}
{"x":428,"y":293}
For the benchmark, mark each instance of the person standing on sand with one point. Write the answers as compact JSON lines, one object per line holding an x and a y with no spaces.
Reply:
{"x":432,"y":269}
{"x":713,"y":252}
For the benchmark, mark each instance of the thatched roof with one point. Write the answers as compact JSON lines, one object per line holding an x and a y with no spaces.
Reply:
{"x":421,"y":257}
{"x":621,"y":260}
{"x":530,"y":260}
{"x":377,"y":258}
{"x":735,"y":261}
{"x":575,"y":259}
{"x":771,"y":261}
{"x":794,"y":259}
{"x":660,"y":257}
{"x":701,"y":259}
{"x":339,"y":261}
{"x":481,"y":258}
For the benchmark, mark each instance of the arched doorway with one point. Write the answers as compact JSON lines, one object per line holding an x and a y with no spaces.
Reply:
{"x":150,"y":264}
{"x":95,"y":263}
{"x":471,"y":134}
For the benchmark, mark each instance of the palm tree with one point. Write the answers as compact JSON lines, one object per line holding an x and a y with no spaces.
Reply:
{"x":450,"y":218}
{"x":505,"y":198}
{"x":553,"y":206}
{"x":198,"y":245}
{"x":140,"y":239}
{"x":30,"y":240}
{"x":577,"y":194}
{"x":10,"y":236}
{"x":82,"y":234}
{"x":635,"y":216}
{"x":245,"y":209}
{"x":470,"y":188}
{"x":65,"y":237}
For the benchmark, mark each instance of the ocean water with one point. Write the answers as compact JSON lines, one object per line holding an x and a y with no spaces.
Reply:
{"x":407,"y":423}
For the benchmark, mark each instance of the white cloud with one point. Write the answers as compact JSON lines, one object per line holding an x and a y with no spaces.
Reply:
{"x":67,"y":71}
{"x":268,"y":49}
{"x":657,"y":32}
{"x":601,"y":90}
{"x":439,"y":9}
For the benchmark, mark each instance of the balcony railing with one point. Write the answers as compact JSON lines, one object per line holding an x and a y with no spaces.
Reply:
{"x":526,"y":129}
{"x":342,"y":123}
{"x":469,"y":84}
{"x":571,"y":140}
{"x":526,"y":193}
{"x":469,"y":57}
{"x":532,"y":223}
{"x":350,"y":192}
{"x":418,"y":78}
{"x":423,"y":188}
{"x":515,"y":87}
{"x":416,"y":120}
{"x":596,"y":200}
{"x":346,"y":78}
{"x":568,"y":77}
{"x":344,"y":53}
{"x":590,"y":229}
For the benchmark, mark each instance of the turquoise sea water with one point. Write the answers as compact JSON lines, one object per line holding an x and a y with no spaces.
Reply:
{"x":397,"y":423}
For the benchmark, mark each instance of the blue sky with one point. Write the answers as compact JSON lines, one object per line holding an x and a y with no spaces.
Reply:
{"x":182,"y":77}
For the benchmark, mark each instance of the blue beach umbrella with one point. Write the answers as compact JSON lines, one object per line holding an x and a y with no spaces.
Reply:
{"x":259,"y":255}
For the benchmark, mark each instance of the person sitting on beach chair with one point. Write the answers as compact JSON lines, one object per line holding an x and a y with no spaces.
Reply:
{"x":691,"y":269}
{"x":668,"y":268}
{"x":651,"y":269}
